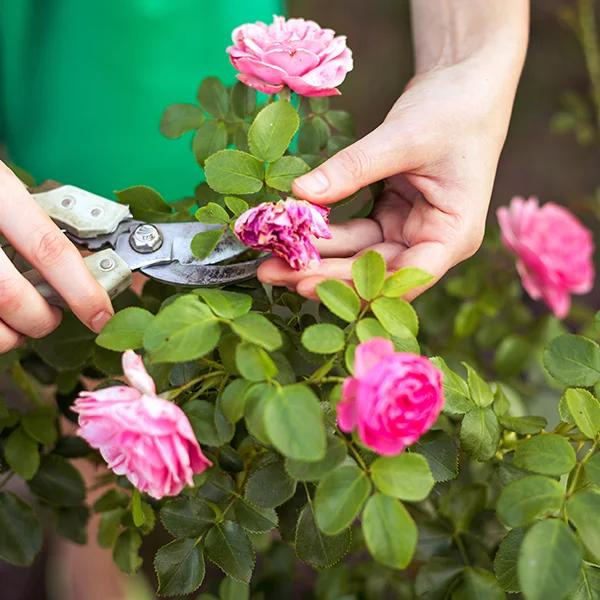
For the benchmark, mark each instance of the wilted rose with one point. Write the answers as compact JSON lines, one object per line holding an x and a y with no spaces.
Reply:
{"x":393,"y":398}
{"x":285,"y":228}
{"x":140,"y":435}
{"x":553,"y":249}
{"x":295,"y":53}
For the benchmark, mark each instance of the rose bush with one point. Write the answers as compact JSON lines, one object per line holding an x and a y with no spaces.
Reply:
{"x":313,"y":432}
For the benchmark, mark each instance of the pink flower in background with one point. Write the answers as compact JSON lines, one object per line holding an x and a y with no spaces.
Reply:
{"x":296,"y":53}
{"x":140,"y":435}
{"x":553,"y":249}
{"x":393,"y":398}
{"x":285,"y":228}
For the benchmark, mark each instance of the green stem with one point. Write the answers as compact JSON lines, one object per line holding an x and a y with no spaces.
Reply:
{"x":580,"y":465}
{"x":6,"y":479}
{"x":591,"y":49}
{"x":285,"y":94}
{"x":461,"y":548}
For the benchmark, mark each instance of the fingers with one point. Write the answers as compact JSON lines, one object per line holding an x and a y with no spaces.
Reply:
{"x":9,"y":339}
{"x":381,"y":153}
{"x":41,"y":243}
{"x":21,"y":307}
{"x":350,"y":237}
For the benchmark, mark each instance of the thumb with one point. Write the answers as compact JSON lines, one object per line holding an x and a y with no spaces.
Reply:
{"x":379,"y":154}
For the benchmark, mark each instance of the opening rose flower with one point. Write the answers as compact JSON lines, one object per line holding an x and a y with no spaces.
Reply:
{"x":295,"y":53}
{"x":140,"y":435}
{"x":393,"y":398}
{"x":286,"y":228}
{"x":553,"y":249}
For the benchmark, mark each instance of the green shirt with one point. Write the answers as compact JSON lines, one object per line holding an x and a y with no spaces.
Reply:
{"x":83,"y":84}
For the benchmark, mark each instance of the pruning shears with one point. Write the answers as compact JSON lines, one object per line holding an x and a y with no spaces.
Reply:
{"x":121,"y":244}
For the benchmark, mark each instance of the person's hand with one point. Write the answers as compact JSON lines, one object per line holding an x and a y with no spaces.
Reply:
{"x":437,"y":149}
{"x":23,"y":311}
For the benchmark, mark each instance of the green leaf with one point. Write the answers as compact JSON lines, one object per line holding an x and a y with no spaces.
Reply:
{"x":214,"y":97}
{"x":254,"y":363}
{"x":212,"y":214}
{"x":230,"y":589}
{"x":396,"y":315}
{"x":254,"y":518}
{"x":144,"y":202}
{"x":272,"y":130}
{"x":236,"y":205}
{"x":339,"y":298}
{"x":204,"y":419}
{"x":592,"y":469}
{"x":339,"y":498}
{"x":187,"y":516}
{"x":137,"y":512}
{"x":41,"y":425}
{"x":462,"y":503}
{"x":72,"y":523}
{"x":109,"y":527}
{"x":243,"y":100}
{"x":110,"y":500}
{"x":21,"y":532}
{"x":341,"y":120}
{"x":529,"y":498}
{"x":314,"y":470}
{"x":527,"y":425}
{"x":480,"y":433}
{"x":126,"y":551}
{"x":589,"y":584}
{"x":205,"y":242}
{"x":478,"y":583}
{"x":512,"y":355}
{"x":436,"y":577}
{"x":404,"y":280}
{"x":481,"y":392}
{"x":186,"y":329}
{"x":179,"y":119}
{"x":179,"y":567}
{"x":368,"y":275}
{"x":319,"y":104}
{"x":270,"y":486}
{"x":313,"y":136}
{"x":580,"y":509}
{"x":467,"y":319}
{"x":68,"y":347}
{"x":125,"y":330}
{"x":233,"y":400}
{"x":441,"y":453}
{"x":505,"y":561}
{"x":210,"y":138}
{"x":21,"y":454}
{"x":406,"y":476}
{"x":281,"y":173}
{"x":227,"y":546}
{"x":585,"y":410}
{"x":316,"y":548}
{"x":573,"y":360}
{"x":58,"y":482}
{"x":323,"y":338}
{"x":257,"y":329}
{"x":548,"y":454}
{"x":234,"y":172}
{"x":294,"y":423}
{"x":456,"y":391}
{"x":369,"y":328}
{"x":390,"y":532}
{"x":549,"y":561}
{"x":228,"y":305}
{"x":256,"y":401}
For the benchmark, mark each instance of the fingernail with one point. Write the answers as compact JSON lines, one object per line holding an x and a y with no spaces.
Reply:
{"x":314,"y":183}
{"x":100,"y":320}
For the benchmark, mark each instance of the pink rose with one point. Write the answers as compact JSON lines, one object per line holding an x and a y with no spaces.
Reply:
{"x":554,"y":251}
{"x":140,"y":435}
{"x":286,"y":229}
{"x":393,"y":398}
{"x":309,"y":60}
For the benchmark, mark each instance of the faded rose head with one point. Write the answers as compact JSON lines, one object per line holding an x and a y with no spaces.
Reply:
{"x":553,"y":249}
{"x":285,"y":228}
{"x":295,"y":53}
{"x":393,"y":398}
{"x":140,"y":435}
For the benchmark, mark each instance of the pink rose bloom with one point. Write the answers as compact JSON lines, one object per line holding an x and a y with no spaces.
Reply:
{"x":140,"y":435}
{"x":285,"y":228}
{"x":393,"y":398}
{"x":311,"y":61}
{"x":553,"y":249}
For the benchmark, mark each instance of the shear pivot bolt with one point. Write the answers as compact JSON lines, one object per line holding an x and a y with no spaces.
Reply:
{"x":107,"y":264}
{"x":145,"y":239}
{"x":67,"y":202}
